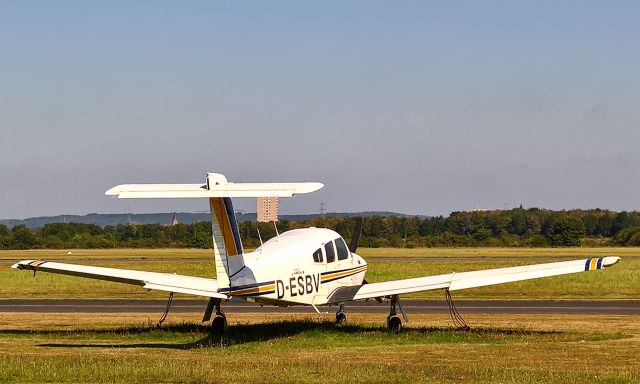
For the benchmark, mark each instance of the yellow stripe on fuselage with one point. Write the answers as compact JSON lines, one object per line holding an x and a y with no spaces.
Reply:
{"x":249,"y":291}
{"x":344,"y":273}
{"x":593,"y":264}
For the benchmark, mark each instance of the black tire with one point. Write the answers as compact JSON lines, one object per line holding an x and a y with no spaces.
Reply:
{"x":341,"y":318}
{"x":218,"y":325}
{"x":394,"y":324}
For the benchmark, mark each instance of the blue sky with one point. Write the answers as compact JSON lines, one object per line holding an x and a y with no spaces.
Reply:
{"x":417,"y":107}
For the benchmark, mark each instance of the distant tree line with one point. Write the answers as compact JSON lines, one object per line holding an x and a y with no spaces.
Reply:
{"x":513,"y":228}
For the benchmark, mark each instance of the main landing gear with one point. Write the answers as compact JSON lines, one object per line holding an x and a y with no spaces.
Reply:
{"x":341,"y":317}
{"x":219,"y":322}
{"x":394,"y":324}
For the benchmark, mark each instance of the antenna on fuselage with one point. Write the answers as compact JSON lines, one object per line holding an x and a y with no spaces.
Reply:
{"x":276,"y":227}
{"x":260,"y":237}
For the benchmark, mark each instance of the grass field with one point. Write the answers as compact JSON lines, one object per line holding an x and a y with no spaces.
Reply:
{"x":620,"y":282}
{"x":308,"y":349}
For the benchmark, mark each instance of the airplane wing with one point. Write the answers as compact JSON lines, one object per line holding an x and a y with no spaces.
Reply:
{"x":150,"y":280}
{"x":464,"y":280}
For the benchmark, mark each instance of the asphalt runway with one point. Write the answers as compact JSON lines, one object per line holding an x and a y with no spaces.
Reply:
{"x":577,"y":307}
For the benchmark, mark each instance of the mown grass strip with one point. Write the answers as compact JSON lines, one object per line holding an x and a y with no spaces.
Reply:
{"x":556,"y":350}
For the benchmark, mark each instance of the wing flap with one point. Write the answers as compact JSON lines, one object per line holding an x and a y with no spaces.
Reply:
{"x":185,"y":290}
{"x":151,"y":280}
{"x":464,"y":280}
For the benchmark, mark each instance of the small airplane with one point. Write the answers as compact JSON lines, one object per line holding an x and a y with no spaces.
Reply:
{"x":310,"y":266}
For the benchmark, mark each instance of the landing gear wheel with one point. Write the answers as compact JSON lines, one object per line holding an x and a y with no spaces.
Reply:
{"x":219,"y":325}
{"x":394,"y":324}
{"x":341,"y":318}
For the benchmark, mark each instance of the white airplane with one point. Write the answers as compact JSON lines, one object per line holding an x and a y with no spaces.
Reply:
{"x":311,"y":266}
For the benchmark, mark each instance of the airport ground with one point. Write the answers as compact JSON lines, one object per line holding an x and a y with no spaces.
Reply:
{"x":502,"y":346}
{"x":285,"y":348}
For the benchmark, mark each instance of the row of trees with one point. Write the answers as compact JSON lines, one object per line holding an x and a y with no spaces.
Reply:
{"x":517,"y":227}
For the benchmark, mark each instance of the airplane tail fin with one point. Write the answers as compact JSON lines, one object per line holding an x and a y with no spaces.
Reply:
{"x":227,"y":246}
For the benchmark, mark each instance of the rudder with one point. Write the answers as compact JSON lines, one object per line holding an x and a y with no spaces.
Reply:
{"x":227,"y":245}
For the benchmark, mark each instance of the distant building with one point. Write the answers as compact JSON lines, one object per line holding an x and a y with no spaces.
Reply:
{"x":484,"y":210}
{"x":267,"y":208}
{"x":174,"y":221}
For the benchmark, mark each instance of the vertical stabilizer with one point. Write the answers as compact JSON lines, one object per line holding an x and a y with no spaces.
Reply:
{"x":227,"y":246}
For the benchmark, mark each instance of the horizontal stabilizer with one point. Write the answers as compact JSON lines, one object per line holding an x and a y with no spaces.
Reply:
{"x":216,"y":186}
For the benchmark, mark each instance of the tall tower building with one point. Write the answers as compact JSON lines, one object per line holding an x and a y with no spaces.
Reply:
{"x":267,"y":209}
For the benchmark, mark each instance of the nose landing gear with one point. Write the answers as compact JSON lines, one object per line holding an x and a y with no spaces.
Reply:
{"x":341,"y":317}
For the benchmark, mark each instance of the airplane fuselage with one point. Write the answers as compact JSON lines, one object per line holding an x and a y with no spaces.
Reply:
{"x":298,"y":267}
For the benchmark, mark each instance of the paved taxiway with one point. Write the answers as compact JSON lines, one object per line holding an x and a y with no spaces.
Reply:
{"x":618,"y":307}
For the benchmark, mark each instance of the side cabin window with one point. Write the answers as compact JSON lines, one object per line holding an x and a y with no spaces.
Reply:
{"x":343,"y":251}
{"x":317,"y":256}
{"x":329,"y":252}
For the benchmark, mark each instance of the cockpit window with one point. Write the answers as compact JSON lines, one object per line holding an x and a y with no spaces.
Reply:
{"x":331,"y":254}
{"x":343,"y":251}
{"x":317,"y":256}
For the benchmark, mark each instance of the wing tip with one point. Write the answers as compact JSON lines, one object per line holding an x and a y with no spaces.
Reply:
{"x":610,"y":260}
{"x":114,"y":192}
{"x":310,"y":187}
{"x":22,"y":264}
